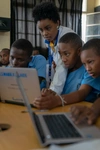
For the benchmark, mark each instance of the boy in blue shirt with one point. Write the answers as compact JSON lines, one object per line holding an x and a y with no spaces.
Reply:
{"x":90,"y":57}
{"x":79,"y":85}
{"x":21,"y":56}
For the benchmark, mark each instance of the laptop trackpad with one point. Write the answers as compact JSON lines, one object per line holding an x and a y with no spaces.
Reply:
{"x":88,"y":131}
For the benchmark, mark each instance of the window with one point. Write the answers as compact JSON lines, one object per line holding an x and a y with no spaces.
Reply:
{"x":84,"y":11}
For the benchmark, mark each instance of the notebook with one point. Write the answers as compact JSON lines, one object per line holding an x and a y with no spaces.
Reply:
{"x":9,"y":90}
{"x":57,"y":128}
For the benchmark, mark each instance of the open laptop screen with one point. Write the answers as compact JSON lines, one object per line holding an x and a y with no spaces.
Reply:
{"x":9,"y":91}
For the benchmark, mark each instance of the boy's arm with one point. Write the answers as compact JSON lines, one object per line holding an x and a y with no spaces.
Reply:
{"x":96,"y":107}
{"x":88,"y":83}
{"x":79,"y":95}
{"x":53,"y":100}
{"x":81,"y":113}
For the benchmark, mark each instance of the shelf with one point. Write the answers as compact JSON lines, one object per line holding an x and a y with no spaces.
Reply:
{"x":94,"y":13}
{"x":92,"y":25}
{"x":92,"y":35}
{"x":93,"y":18}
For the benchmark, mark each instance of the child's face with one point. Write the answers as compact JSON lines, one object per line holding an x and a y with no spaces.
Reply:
{"x":69,"y":55}
{"x":91,"y":62}
{"x":48,"y":29}
{"x":18,"y":58}
{"x":4,"y":57}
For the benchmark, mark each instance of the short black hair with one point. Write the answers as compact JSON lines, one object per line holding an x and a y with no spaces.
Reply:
{"x":46,"y":10}
{"x":23,"y":44}
{"x":93,"y":44}
{"x":71,"y":38}
{"x":6,"y":49}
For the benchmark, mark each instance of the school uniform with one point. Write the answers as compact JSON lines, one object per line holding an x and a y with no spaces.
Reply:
{"x":73,"y":80}
{"x":95,"y":84}
{"x":59,"y":78}
{"x":78,"y":77}
{"x":39,"y":63}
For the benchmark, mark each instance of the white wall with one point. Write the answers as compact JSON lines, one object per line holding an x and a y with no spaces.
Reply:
{"x":4,"y":12}
{"x":91,"y":4}
{"x":97,"y":3}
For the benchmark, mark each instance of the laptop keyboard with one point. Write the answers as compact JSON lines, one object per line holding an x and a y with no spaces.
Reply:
{"x":60,"y":127}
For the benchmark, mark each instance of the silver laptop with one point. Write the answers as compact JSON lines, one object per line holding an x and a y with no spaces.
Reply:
{"x":57,"y":128}
{"x":9,"y":90}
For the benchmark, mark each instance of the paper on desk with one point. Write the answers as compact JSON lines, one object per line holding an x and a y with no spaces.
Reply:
{"x":88,"y":145}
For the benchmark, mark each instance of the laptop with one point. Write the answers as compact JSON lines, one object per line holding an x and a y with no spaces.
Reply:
{"x":9,"y":90}
{"x":57,"y":128}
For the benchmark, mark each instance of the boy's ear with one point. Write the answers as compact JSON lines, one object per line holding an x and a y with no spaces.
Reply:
{"x":79,"y":51}
{"x":58,"y":22}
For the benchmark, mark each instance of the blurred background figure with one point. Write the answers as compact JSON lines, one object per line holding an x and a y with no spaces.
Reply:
{"x":36,"y":51}
{"x":40,"y":51}
{"x":4,"y":57}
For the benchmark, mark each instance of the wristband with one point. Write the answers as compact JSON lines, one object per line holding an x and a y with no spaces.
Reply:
{"x":62,"y":100}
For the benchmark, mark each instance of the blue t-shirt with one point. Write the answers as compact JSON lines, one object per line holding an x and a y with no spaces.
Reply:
{"x":73,"y":81}
{"x":94,"y":83}
{"x":39,"y":63}
{"x":78,"y":77}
